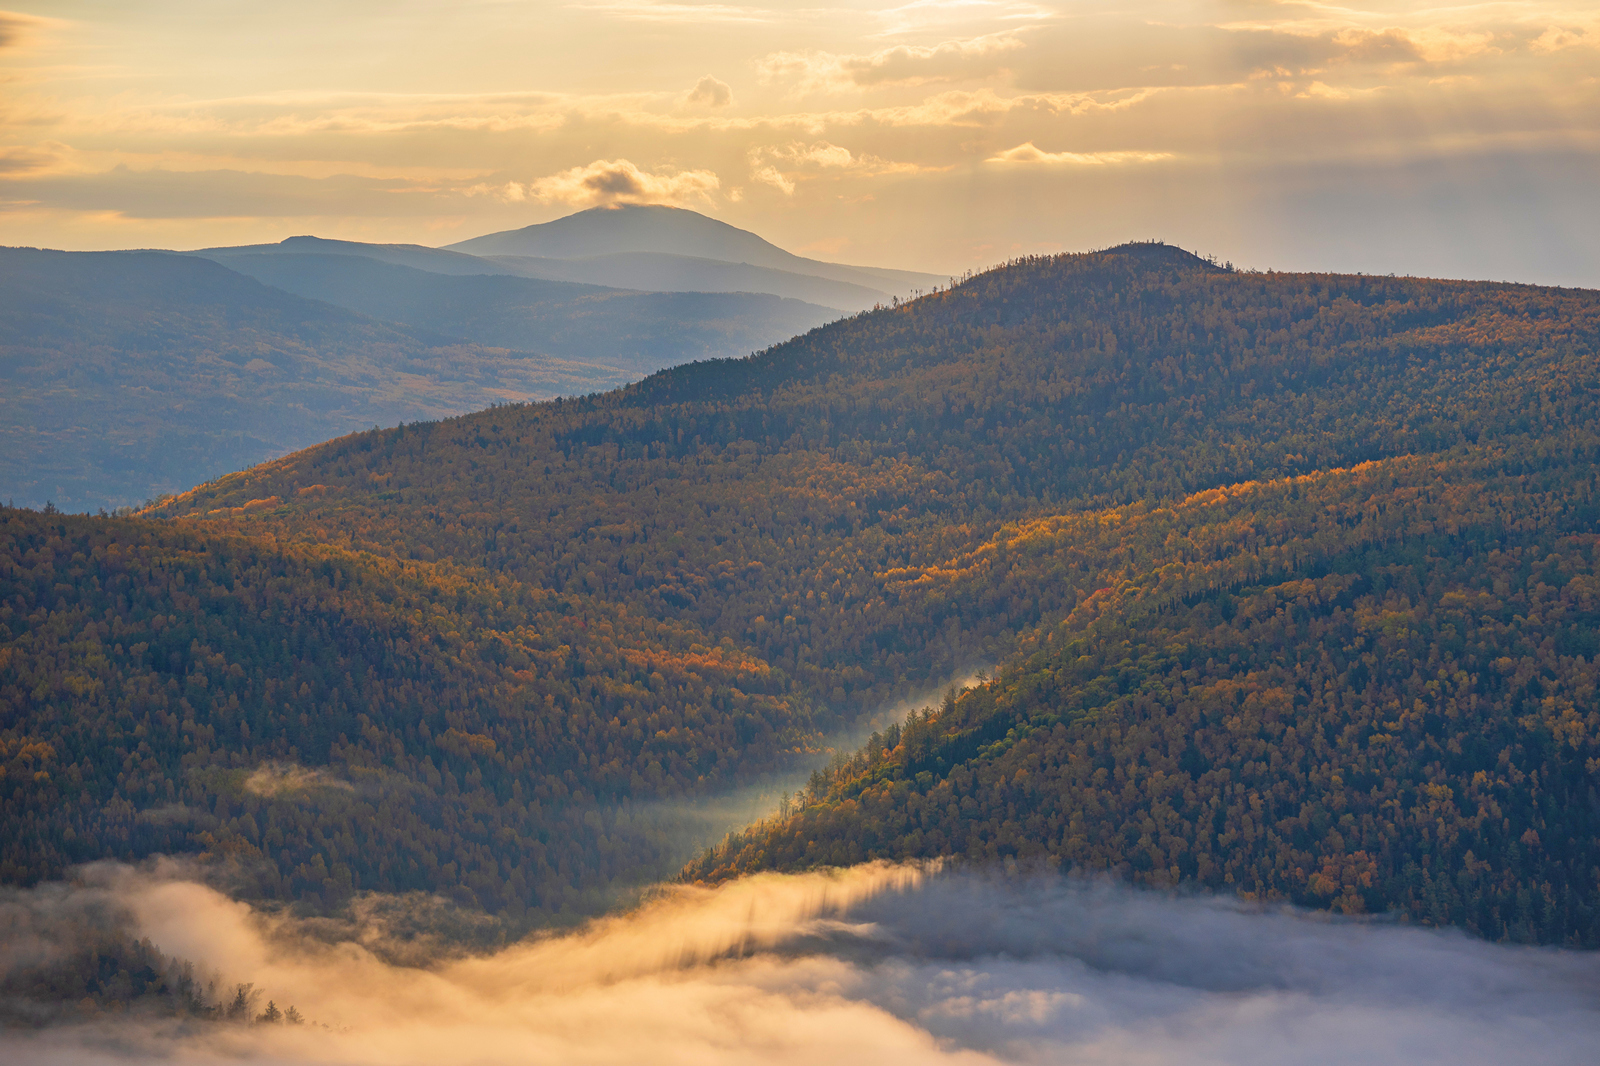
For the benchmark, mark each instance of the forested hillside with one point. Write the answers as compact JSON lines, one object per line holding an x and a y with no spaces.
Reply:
{"x":166,"y":693}
{"x":1005,"y":471}
{"x":1371,"y":689}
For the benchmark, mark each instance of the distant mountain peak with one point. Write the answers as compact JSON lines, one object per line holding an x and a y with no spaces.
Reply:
{"x":310,"y":242}
{"x":617,"y":228}
{"x":644,"y":230}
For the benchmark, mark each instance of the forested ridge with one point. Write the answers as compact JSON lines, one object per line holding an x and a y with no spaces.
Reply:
{"x":1003,"y":471}
{"x":475,"y":721}
{"x":1371,"y":689}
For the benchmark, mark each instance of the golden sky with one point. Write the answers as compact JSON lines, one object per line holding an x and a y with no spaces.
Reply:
{"x":938,"y":134}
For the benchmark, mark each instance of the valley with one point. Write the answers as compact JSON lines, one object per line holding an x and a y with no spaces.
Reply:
{"x":937,"y":534}
{"x":1286,"y":576}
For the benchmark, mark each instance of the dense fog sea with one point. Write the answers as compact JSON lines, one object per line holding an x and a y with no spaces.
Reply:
{"x":874,"y":964}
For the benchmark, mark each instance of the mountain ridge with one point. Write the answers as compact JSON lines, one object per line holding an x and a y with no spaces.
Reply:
{"x":572,"y":336}
{"x":647,"y":247}
{"x":625,"y":228}
{"x":1136,"y":481}
{"x":634,"y":333}
{"x":132,"y":374}
{"x":417,"y":256}
{"x":667,"y":272}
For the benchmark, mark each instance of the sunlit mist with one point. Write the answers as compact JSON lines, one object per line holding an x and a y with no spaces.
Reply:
{"x":873,"y":964}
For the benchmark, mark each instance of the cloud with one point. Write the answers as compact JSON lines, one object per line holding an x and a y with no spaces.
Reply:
{"x":1030,"y":154}
{"x":21,"y":159}
{"x":617,"y":181}
{"x":979,"y":57}
{"x":868,"y":965}
{"x":1431,"y":44}
{"x":780,"y":165}
{"x":820,"y":154}
{"x":711,"y":92}
{"x":925,"y":14}
{"x":1368,"y":46}
{"x":166,"y":194}
{"x":283,"y":779}
{"x":1324,"y":91}
{"x":14,"y":26}
{"x":657,"y":11}
{"x":1560,"y":38}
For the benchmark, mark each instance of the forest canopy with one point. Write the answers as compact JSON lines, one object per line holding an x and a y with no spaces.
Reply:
{"x":1165,"y":496}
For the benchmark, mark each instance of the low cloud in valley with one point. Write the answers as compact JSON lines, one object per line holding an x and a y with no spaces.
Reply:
{"x":869,"y":965}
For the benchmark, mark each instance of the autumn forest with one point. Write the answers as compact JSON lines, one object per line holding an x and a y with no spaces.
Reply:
{"x":1287,"y":585}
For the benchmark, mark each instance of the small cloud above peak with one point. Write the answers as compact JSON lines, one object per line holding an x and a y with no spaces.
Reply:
{"x":616,"y":181}
{"x":711,"y":92}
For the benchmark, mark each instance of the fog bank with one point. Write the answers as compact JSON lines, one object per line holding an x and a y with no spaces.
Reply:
{"x":874,"y":964}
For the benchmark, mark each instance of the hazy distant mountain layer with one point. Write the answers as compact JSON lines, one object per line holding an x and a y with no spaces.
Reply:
{"x":881,"y":502}
{"x":635,"y":332}
{"x":416,"y":256}
{"x":94,"y":418}
{"x":631,"y":229}
{"x":650,"y":248}
{"x":127,"y":375}
{"x":642,"y":271}
{"x":663,"y":272}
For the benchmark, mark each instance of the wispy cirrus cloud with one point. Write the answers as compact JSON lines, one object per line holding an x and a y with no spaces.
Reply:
{"x":25,"y":159}
{"x":924,"y":15}
{"x":1029,"y":155}
{"x":902,"y":64}
{"x":677,"y":12}
{"x":16,"y":25}
{"x":781,"y":166}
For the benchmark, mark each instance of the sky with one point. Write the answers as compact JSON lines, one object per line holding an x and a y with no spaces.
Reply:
{"x":1383,"y":136}
{"x":871,"y":965}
